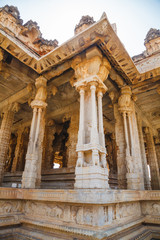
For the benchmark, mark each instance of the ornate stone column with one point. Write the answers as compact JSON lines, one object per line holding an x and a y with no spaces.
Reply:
{"x":72,"y":139}
{"x":91,"y":168}
{"x":157,"y":147}
{"x":17,"y":150}
{"x":5,"y":133}
{"x":121,"y":146}
{"x":81,"y":117}
{"x":32,"y":173}
{"x":147,"y":183}
{"x":134,"y":173}
{"x":152,"y":160}
{"x":100,"y":117}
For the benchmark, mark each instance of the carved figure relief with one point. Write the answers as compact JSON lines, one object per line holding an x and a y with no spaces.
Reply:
{"x":151,"y":208}
{"x":8,"y":207}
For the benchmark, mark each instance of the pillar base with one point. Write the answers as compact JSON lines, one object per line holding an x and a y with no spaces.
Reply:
{"x":133,"y":181}
{"x":29,"y":176}
{"x":91,"y":177}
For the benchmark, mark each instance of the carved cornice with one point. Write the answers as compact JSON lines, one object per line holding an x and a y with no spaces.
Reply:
{"x":100,"y":33}
{"x":29,"y":34}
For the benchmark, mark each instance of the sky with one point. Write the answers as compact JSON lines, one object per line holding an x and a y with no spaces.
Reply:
{"x":58,"y":18}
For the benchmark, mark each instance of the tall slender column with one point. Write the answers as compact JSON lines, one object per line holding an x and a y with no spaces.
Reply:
{"x":72,"y":139}
{"x":5,"y":133}
{"x":81,"y":118}
{"x":126,"y":133}
{"x":121,"y":148}
{"x":17,"y":150}
{"x":100,"y":118}
{"x":32,"y":172}
{"x":152,"y":160}
{"x":94,"y":132}
{"x":147,"y":183}
{"x":131,"y":134}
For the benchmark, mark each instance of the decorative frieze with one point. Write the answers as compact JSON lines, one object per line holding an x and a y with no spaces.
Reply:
{"x":80,"y":215}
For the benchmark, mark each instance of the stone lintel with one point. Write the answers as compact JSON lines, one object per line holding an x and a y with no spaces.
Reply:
{"x":16,"y":97}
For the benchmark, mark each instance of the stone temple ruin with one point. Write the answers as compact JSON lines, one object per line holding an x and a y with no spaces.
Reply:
{"x":74,"y":166}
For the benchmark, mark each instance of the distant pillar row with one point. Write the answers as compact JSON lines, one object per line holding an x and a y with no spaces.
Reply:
{"x":152,"y":159}
{"x":91,"y":168}
{"x":5,"y":134}
{"x":147,"y":183}
{"x":31,"y":177}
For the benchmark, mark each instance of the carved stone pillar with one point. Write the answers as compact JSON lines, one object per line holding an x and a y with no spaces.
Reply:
{"x":17,"y":150}
{"x":134,"y":173}
{"x":147,"y":183}
{"x":5,"y":133}
{"x":20,"y":150}
{"x":157,"y":146}
{"x":152,"y":160}
{"x":91,"y":168}
{"x":31,"y":177}
{"x":121,"y":153}
{"x":72,"y":140}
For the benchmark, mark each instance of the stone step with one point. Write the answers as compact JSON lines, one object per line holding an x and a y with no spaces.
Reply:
{"x":59,"y":177}
{"x":54,"y":179}
{"x":58,"y":185}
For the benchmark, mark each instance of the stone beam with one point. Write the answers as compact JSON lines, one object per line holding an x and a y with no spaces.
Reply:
{"x":145,"y":119}
{"x":70,"y":108}
{"x":62,"y":79}
{"x":144,"y":86}
{"x":16,"y":97}
{"x":54,"y":72}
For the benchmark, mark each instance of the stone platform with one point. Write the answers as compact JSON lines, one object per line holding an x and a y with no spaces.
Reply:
{"x":79,"y":214}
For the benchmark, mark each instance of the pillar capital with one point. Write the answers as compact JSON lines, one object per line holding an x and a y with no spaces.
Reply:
{"x":93,"y":68}
{"x":124,"y":100}
{"x":41,"y":94}
{"x":13,"y":107}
